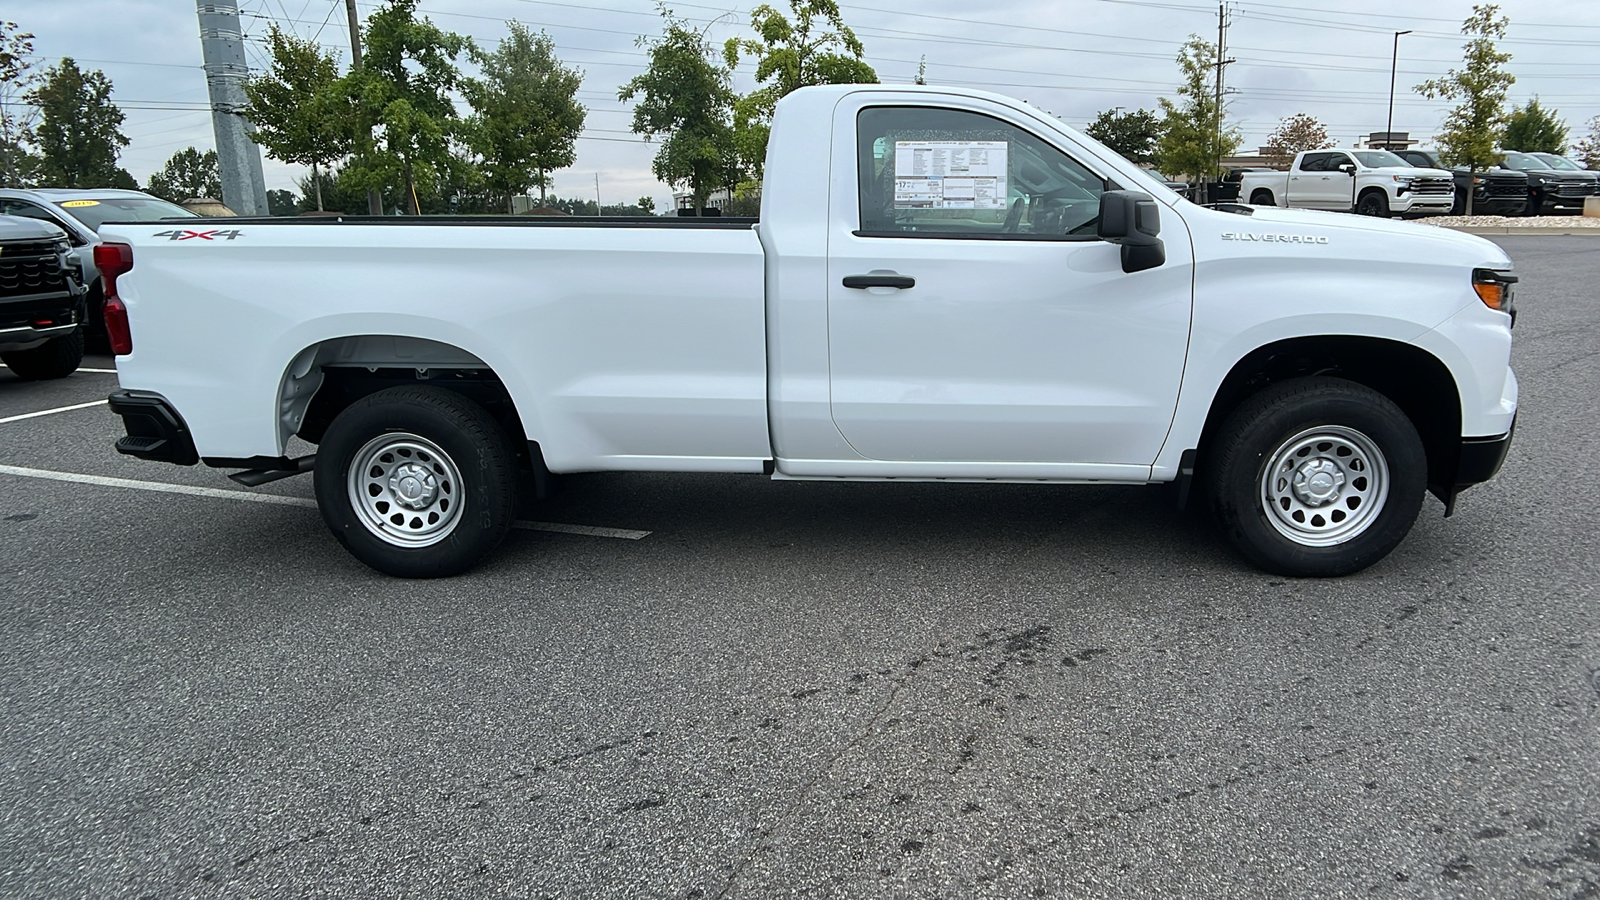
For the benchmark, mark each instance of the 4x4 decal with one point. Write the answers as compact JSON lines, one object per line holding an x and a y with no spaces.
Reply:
{"x":185,"y":234}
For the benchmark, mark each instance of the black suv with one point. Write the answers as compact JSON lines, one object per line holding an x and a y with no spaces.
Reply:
{"x":42,"y":301}
{"x":1552,"y":189}
{"x":1495,"y":192}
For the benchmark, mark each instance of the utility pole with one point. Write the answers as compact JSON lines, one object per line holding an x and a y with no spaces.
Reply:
{"x":1394,"y":66}
{"x":597,"y":193}
{"x":222,"y":49}
{"x":1222,"y":60}
{"x":374,"y":199}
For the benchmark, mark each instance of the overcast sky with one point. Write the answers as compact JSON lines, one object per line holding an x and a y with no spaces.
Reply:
{"x":1072,"y":57}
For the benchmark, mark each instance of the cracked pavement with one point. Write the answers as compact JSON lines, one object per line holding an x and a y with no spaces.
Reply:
{"x":803,"y":689}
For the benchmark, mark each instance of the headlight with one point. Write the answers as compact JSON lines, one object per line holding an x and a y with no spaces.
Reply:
{"x":1494,"y":288}
{"x":1403,"y":179}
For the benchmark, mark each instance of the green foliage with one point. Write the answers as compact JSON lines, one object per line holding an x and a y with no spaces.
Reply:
{"x":1533,"y":129}
{"x":298,"y":110}
{"x":1474,"y":129}
{"x":686,"y":99}
{"x":79,"y":134}
{"x":1193,"y":140}
{"x":1296,"y":133}
{"x":18,"y":167}
{"x":791,"y":55}
{"x":405,"y":117}
{"x":572,"y":206}
{"x":1588,"y":149}
{"x":1134,"y":135}
{"x":282,"y":203}
{"x":188,"y":174}
{"x":526,"y":121}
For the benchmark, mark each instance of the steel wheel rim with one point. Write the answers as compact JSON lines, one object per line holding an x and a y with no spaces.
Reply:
{"x":405,"y":490}
{"x":1324,"y":486}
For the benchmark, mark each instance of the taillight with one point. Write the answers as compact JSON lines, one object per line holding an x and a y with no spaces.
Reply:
{"x":117,"y":326}
{"x":113,"y":260}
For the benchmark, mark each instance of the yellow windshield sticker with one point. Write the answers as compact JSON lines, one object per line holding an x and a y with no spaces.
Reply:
{"x":74,"y":203}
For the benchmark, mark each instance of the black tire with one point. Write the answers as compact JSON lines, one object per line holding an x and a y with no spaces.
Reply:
{"x":1535,"y":206}
{"x":1385,"y":471}
{"x":1261,"y":197}
{"x":55,"y":358}
{"x":1373,"y":203}
{"x":452,"y":444}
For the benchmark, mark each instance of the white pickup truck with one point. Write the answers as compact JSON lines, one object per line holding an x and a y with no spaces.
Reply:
{"x":943,"y":285}
{"x":1368,"y":182}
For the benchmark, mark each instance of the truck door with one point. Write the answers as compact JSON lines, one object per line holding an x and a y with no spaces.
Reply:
{"x":973,"y":316}
{"x":1337,"y":190}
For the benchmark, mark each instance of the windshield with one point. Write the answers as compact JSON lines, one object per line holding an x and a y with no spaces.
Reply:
{"x":1557,"y":162}
{"x":1378,"y":159}
{"x":1522,"y":162}
{"x":95,"y":213}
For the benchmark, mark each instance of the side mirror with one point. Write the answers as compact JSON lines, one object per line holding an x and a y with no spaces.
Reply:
{"x":1347,"y":168}
{"x":1133,"y":220}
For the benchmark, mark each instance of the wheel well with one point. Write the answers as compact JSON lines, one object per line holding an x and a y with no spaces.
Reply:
{"x":1369,"y":191}
{"x":326,"y":378}
{"x":1414,"y":379}
{"x":1261,"y":192}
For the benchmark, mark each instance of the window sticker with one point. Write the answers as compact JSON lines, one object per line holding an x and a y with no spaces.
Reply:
{"x":71,"y":204}
{"x":950,"y":174}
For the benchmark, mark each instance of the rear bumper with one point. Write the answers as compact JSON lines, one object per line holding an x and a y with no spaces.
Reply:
{"x":155,"y":430}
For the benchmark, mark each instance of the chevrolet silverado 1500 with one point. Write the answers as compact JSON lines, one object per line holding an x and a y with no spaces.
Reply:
{"x":941,"y":285}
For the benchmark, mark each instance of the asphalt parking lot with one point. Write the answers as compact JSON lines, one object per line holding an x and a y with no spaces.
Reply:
{"x":796,"y":689}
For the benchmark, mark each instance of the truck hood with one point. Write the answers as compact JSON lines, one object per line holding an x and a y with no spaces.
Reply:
{"x":1408,"y":172}
{"x":1354,"y":236}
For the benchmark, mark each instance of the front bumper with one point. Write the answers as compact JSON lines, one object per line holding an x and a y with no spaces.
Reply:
{"x":1478,"y":460}
{"x":155,"y":430}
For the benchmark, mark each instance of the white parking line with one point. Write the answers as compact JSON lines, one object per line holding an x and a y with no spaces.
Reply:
{"x":159,"y":486}
{"x":50,"y":412}
{"x":97,"y":371}
{"x":626,"y":534}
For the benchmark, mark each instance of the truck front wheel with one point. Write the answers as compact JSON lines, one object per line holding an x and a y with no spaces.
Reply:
{"x":55,"y":358}
{"x":416,"y":482}
{"x":1317,"y":477}
{"x":1373,"y":203}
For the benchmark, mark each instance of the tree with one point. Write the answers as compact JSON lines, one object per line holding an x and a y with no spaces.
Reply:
{"x":1134,"y":135}
{"x":79,"y":134}
{"x":791,"y":55}
{"x":526,"y":121}
{"x":1193,"y":139}
{"x":1533,"y":129}
{"x":1295,"y":133}
{"x":189,"y":173}
{"x":1588,"y":149}
{"x":403,"y":90}
{"x":1473,"y":130}
{"x":300,"y":115}
{"x":282,"y":203}
{"x":686,"y":99}
{"x":17,"y":115}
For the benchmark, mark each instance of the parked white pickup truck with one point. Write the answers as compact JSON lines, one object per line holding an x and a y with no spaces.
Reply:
{"x":942,"y":285}
{"x":1368,"y":182}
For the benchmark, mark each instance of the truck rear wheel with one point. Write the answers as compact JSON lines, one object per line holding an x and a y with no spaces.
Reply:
{"x":1317,"y":477}
{"x":416,"y":482}
{"x":55,"y":358}
{"x":1261,"y":197}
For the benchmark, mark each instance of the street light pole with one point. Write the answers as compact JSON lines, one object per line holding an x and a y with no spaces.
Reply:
{"x":1394,"y":65}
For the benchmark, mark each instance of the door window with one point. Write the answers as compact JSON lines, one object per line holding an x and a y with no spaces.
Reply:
{"x":1314,"y":162}
{"x":948,"y":173}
